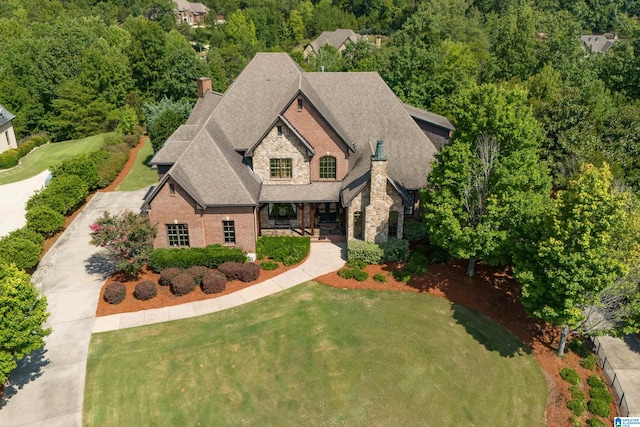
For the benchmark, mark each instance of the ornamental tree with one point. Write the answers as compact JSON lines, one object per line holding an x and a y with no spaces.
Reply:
{"x":591,"y":236}
{"x":128,"y":238}
{"x":22,"y":313}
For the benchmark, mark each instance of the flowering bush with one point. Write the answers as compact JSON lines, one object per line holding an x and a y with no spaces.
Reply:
{"x":127,"y":237}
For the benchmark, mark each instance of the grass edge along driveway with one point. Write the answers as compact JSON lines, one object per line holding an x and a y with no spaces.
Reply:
{"x":316,"y":355}
{"x":42,"y":158}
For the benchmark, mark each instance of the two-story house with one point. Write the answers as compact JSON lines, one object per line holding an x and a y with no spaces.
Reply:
{"x":283,"y":149}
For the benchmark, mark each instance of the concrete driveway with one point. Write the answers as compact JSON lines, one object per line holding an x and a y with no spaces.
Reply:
{"x":47,"y":388}
{"x":13,"y":198}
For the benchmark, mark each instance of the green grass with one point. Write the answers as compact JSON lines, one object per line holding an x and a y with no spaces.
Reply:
{"x":141,"y":175}
{"x":316,"y":355}
{"x":48,"y":155}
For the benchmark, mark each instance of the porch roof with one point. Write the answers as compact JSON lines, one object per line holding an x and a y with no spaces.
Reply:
{"x":316,"y":192}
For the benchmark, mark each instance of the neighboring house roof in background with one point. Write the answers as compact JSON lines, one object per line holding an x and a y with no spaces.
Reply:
{"x":5,"y":116}
{"x":598,"y":43}
{"x":429,"y":117}
{"x":334,"y":38}
{"x":184,"y":6}
{"x":360,"y":107}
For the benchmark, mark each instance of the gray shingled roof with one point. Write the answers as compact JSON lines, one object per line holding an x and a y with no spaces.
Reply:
{"x":334,"y":38}
{"x":429,"y":117}
{"x":597,"y":42}
{"x":360,"y":107}
{"x":316,"y":192}
{"x":5,"y":116}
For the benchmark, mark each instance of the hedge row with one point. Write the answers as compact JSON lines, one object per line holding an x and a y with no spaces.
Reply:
{"x":72,"y":180}
{"x":11,"y":158}
{"x":211,"y":256}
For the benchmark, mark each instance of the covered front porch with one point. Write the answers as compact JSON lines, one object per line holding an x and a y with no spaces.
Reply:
{"x":302,"y":210}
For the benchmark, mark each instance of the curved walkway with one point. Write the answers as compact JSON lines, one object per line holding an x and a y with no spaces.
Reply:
{"x":47,"y":389}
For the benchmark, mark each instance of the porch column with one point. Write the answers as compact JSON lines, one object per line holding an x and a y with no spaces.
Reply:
{"x":312,"y":217}
{"x":301,"y":207}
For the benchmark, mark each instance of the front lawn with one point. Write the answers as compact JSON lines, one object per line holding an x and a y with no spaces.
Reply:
{"x":316,"y":355}
{"x":48,"y":155}
{"x":141,"y":175}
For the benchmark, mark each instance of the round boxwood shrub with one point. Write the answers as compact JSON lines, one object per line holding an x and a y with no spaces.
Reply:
{"x":588,"y":362}
{"x":44,"y":220}
{"x":167,"y":274}
{"x":570,"y":375}
{"x":197,"y":273}
{"x":601,"y":393}
{"x":380,"y":278}
{"x":577,"y":406}
{"x":182,"y":284}
{"x":145,"y":290}
{"x":599,"y":407}
{"x":595,"y":381}
{"x":269,"y":265}
{"x":213,"y":282}
{"x":115,"y":292}
{"x":595,"y":422}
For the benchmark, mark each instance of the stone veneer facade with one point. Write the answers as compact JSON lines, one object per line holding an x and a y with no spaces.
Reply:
{"x":204,"y":226}
{"x":285,"y":146}
{"x":375,"y":201}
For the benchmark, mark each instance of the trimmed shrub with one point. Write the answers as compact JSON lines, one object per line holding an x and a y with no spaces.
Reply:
{"x":595,"y":422}
{"x":402,"y":276}
{"x":576,"y":392}
{"x":578,"y":346}
{"x":168,"y":274}
{"x":570,"y":375}
{"x":9,"y":158}
{"x":63,"y":194}
{"x":197,"y":272}
{"x":285,"y":249}
{"x":367,"y":252}
{"x":115,"y":292}
{"x":354,"y":263}
{"x":210,"y":257}
{"x":213,"y":282}
{"x":83,"y":166}
{"x":28,"y":234}
{"x":418,"y":264}
{"x":595,"y":381}
{"x":396,"y":250}
{"x":588,"y":362}
{"x":414,"y":231}
{"x":269,"y":265}
{"x":599,"y":407}
{"x":145,"y":290}
{"x":247,"y":272}
{"x":575,"y":421}
{"x":130,"y":140}
{"x":182,"y":284}
{"x":380,"y":278}
{"x":20,"y":249}
{"x":353,"y":273}
{"x":44,"y":220}
{"x":601,"y":393}
{"x":577,"y":407}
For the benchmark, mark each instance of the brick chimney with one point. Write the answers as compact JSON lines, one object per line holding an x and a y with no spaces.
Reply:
{"x":377,"y":212}
{"x":204,"y":85}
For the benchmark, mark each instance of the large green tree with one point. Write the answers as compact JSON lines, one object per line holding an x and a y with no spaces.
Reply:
{"x":22,"y":315}
{"x":488,"y":186}
{"x":589,"y":239}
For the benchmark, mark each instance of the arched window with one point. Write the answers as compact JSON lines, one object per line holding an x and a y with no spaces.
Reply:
{"x":328,"y":167}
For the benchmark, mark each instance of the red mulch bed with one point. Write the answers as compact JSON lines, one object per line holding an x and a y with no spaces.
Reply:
{"x":165,"y":298}
{"x":494,"y":293}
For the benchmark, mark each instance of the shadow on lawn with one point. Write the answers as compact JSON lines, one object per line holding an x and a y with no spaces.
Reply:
{"x":100,"y":264}
{"x":28,"y":370}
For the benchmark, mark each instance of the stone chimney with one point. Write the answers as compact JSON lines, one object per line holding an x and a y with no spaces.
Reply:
{"x":204,"y":85}
{"x":377,"y":212}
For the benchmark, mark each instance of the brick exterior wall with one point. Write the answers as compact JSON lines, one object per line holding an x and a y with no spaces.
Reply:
{"x":285,"y":146}
{"x":205,"y":227}
{"x":310,"y":124}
